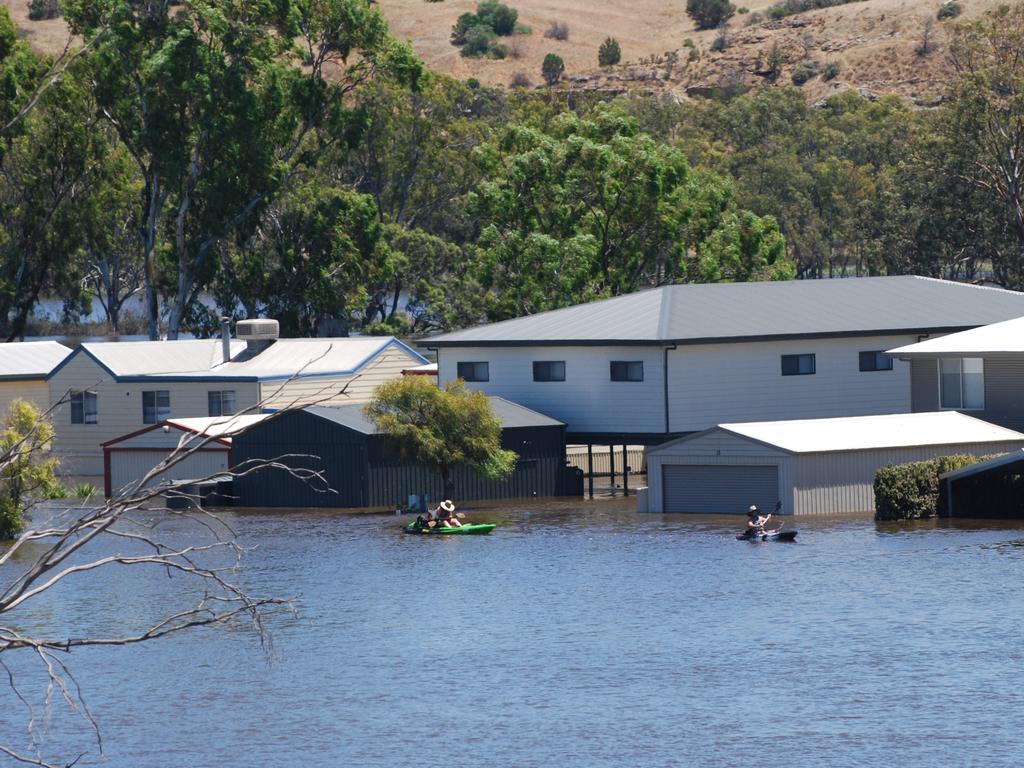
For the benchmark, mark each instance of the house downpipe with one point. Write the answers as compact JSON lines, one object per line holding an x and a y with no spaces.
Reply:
{"x":665,"y":371}
{"x":225,"y":339}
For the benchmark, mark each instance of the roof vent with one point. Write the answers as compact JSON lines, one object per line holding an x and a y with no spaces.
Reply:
{"x":257,"y":330}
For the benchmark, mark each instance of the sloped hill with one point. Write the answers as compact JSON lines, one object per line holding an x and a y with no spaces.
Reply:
{"x":873,"y":44}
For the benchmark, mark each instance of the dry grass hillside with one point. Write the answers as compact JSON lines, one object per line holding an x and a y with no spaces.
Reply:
{"x":874,"y":44}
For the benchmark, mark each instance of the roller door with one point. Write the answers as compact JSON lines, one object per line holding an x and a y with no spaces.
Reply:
{"x":719,"y":489}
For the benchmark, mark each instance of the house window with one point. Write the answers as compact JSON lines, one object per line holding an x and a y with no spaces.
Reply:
{"x":156,"y":406}
{"x":797,"y":365}
{"x":627,"y":370}
{"x":962,"y":383}
{"x":549,"y":370}
{"x":84,"y":408}
{"x":474,"y":371}
{"x":875,"y":361}
{"x":220,"y":402}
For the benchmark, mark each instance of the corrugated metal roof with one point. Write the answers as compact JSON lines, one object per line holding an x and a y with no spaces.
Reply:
{"x":999,"y":338}
{"x":858,"y":433}
{"x":219,"y":426}
{"x":30,"y":359}
{"x":202,"y":359}
{"x":512,"y":416}
{"x":734,"y":311}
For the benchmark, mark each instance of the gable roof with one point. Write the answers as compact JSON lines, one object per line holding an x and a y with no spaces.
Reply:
{"x":859,"y":433}
{"x":220,"y":428}
{"x":201,"y":359}
{"x":21,"y":360}
{"x":719,"y":312}
{"x":511,"y":415}
{"x":999,"y":338}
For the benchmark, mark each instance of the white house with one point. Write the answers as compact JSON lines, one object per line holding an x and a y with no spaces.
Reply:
{"x":811,"y":466}
{"x":116,"y":388}
{"x":979,"y":372}
{"x":24,"y":366}
{"x":650,"y":366}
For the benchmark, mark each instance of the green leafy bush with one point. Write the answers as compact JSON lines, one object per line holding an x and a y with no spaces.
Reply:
{"x":609,"y":53}
{"x":498,"y":16}
{"x":831,"y":71}
{"x":552,"y":68}
{"x":804,"y":71}
{"x":949,"y":10}
{"x":475,"y":33}
{"x":478,"y":39}
{"x":789,"y":7}
{"x":708,"y":14}
{"x":43,"y":9}
{"x":719,"y":44}
{"x":911,"y":491}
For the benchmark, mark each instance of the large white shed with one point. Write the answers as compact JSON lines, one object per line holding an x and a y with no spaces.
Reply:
{"x":813,"y":466}
{"x":129,"y":458}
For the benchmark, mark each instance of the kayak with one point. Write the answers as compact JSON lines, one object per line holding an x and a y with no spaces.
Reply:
{"x":467,"y":529}
{"x":767,"y":536}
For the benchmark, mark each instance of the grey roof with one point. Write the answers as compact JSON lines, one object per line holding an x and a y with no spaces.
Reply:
{"x":512,"y":416}
{"x":30,"y":359}
{"x":701,"y":313}
{"x":203,"y":359}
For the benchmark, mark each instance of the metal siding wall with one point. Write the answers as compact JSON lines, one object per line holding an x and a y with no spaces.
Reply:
{"x":128,"y":467}
{"x":1004,"y":392}
{"x":842,"y":482}
{"x":719,"y":489}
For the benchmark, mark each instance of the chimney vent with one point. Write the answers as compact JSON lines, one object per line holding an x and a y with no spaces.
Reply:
{"x":225,"y":338}
{"x":257,"y":334}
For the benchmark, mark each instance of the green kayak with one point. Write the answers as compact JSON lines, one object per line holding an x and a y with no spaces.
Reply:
{"x":467,"y":529}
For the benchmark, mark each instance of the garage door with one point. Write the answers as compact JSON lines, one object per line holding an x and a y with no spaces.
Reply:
{"x":719,"y":489}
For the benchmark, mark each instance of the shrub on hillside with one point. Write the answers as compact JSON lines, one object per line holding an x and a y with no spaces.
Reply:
{"x":475,"y":33}
{"x":785,"y":8}
{"x":552,"y":68}
{"x":708,"y":14}
{"x":912,"y":491}
{"x":558,"y":30}
{"x":609,"y":53}
{"x":831,"y":71}
{"x":498,"y":16}
{"x":521,"y":80}
{"x":804,"y":71}
{"x":477,"y":40}
{"x":43,"y":9}
{"x":949,"y":10}
{"x":719,"y":44}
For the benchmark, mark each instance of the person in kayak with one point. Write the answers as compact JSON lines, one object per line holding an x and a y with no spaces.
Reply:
{"x":426,"y":521}
{"x":446,"y":514}
{"x":756,"y":520}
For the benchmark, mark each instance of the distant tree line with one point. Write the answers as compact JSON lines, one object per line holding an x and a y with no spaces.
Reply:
{"x":291,"y":159}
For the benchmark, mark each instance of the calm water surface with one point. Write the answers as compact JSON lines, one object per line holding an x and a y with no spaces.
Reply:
{"x":576,"y":634}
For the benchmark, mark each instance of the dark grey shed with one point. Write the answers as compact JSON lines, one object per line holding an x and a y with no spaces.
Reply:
{"x":365,"y":471}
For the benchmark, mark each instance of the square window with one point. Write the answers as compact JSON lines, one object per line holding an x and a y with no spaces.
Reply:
{"x":84,"y":408}
{"x":549,"y":370}
{"x":962,"y":383}
{"x":156,"y":406}
{"x":474,"y":371}
{"x":221,"y":402}
{"x":797,"y":365}
{"x":875,"y":361}
{"x":627,"y":370}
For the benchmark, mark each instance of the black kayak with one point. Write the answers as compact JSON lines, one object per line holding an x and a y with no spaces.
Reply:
{"x":767,"y":536}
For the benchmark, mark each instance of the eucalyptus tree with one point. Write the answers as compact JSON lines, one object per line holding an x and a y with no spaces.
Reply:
{"x":221,"y":103}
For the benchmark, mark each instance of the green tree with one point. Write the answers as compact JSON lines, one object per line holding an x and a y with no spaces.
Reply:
{"x":552,"y":68}
{"x":222,"y":104}
{"x":708,"y":14}
{"x":609,"y":53}
{"x":441,"y":428}
{"x":983,"y":118}
{"x":27,"y":469}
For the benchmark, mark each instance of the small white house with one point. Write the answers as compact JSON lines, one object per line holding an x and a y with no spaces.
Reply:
{"x":813,"y":466}
{"x":646,"y":367}
{"x":129,"y":458}
{"x":24,"y":366}
{"x":116,"y":388}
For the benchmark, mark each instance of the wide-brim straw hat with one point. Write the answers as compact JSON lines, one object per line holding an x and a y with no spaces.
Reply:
{"x":447,"y":505}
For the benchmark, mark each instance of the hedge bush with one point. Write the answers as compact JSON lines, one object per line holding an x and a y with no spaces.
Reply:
{"x":912,"y":491}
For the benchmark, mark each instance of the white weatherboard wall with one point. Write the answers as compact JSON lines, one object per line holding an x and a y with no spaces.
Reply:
{"x":34,"y":390}
{"x":120,"y":410}
{"x":588,"y":400}
{"x":712,"y":384}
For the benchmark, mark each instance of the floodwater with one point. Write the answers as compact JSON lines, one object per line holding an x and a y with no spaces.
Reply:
{"x":577,"y":634}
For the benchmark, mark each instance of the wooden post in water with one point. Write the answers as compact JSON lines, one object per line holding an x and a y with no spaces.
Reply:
{"x":625,"y":472}
{"x":590,"y":468}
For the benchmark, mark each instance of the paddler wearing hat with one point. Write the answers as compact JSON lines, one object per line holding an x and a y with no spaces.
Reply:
{"x":446,"y":515}
{"x":756,"y":519}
